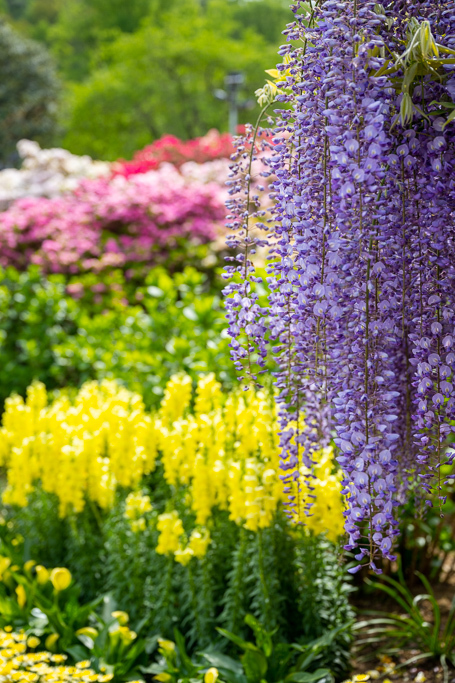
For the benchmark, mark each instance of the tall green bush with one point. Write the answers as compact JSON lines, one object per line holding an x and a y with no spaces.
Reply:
{"x":28,"y":92}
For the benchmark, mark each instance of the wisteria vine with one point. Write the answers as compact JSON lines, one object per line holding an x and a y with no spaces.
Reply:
{"x":360,"y":255}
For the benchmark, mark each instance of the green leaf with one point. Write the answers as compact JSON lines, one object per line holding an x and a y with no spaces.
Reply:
{"x":223,"y":662}
{"x":255,"y":665}
{"x":315,"y":677}
{"x":245,"y":645}
{"x":263,"y":637}
{"x":450,"y":118}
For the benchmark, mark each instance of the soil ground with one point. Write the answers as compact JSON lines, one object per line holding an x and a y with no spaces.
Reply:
{"x":389,"y":667}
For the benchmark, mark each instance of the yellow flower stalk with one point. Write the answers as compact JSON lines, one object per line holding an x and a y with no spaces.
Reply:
{"x":221,"y":454}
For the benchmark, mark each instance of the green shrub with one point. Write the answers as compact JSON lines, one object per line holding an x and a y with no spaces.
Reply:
{"x":35,"y":317}
{"x":178,"y":327}
{"x":177,"y":323}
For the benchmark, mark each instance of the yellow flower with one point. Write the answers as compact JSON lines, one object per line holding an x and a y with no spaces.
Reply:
{"x":138,"y":525}
{"x":420,"y":678}
{"x":171,"y":528}
{"x":122,"y":617}
{"x":87,"y":631}
{"x":21,"y":596}
{"x":58,"y":659}
{"x":29,"y":565}
{"x":4,"y":564}
{"x":163,"y":677}
{"x":125,"y":634}
{"x":61,"y":578}
{"x":42,"y":574}
{"x":105,"y":678}
{"x":84,"y":664}
{"x":360,"y":678}
{"x":166,"y":645}
{"x":199,"y":542}
{"x":51,"y":640}
{"x":183,"y":555}
{"x":211,"y":675}
{"x":33,"y":641}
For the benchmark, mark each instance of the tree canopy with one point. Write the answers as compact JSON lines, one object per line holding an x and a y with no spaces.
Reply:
{"x":134,"y":71}
{"x":28,"y":92}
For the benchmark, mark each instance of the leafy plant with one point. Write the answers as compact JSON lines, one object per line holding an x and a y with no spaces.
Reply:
{"x":113,"y":647}
{"x":391,"y":632}
{"x":175,"y":324}
{"x":174,"y":664}
{"x":267,"y":660}
{"x":45,"y":602}
{"x":423,"y":58}
{"x":262,"y":660}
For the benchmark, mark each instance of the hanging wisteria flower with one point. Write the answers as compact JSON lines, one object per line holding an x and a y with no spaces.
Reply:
{"x":360,"y":270}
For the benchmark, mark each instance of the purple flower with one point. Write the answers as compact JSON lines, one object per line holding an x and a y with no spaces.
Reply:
{"x":361,"y":274}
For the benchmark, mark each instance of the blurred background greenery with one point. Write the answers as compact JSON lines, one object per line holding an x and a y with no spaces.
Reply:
{"x":114,"y":76}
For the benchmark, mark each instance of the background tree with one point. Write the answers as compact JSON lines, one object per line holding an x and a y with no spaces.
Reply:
{"x":28,"y":92}
{"x":161,"y":79}
{"x":130,"y":75}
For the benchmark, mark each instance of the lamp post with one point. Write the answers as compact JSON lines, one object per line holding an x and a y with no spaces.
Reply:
{"x":232,"y":83}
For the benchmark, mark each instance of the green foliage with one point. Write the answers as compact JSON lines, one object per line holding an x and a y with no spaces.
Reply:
{"x":47,"y":335}
{"x":90,"y":630}
{"x":326,"y":596}
{"x":134,"y":71}
{"x":35,"y":316}
{"x":28,"y":103}
{"x":262,"y":660}
{"x":420,"y":624}
{"x":427,"y":540}
{"x":177,"y":328}
{"x":175,"y":663}
{"x":27,"y":602}
{"x":177,"y":64}
{"x":292,"y":600}
{"x":265,"y":17}
{"x":116,"y":650}
{"x":266,"y":660}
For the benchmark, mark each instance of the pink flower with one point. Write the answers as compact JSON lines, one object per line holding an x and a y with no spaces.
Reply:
{"x":111,"y":222}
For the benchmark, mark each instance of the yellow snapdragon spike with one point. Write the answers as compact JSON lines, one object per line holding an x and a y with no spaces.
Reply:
{"x":171,"y":529}
{"x":224,"y":454}
{"x":77,"y":451}
{"x":177,"y":397}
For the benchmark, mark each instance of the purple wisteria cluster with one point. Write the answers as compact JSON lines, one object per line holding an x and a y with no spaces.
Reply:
{"x":361,"y":266}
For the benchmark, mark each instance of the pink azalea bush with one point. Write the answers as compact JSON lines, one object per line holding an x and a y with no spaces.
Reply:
{"x":169,"y":149}
{"x":111,"y":222}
